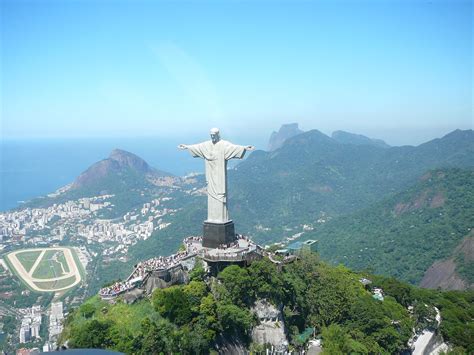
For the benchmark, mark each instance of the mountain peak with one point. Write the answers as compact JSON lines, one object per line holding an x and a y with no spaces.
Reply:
{"x":460,"y":134}
{"x":118,"y":162}
{"x":130,"y":160}
{"x":357,"y":139}
{"x":286,"y":131}
{"x":118,"y":151}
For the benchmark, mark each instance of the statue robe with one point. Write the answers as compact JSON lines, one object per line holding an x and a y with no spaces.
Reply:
{"x":216,"y":156}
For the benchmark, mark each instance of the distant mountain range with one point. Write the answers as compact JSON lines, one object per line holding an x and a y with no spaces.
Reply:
{"x":315,"y":178}
{"x":345,"y":186}
{"x":357,"y":139}
{"x":286,"y":131}
{"x":313,"y":175}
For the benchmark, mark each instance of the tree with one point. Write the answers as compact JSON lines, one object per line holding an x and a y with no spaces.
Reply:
{"x":198,"y":273}
{"x":266,"y":281}
{"x":195,"y":291}
{"x":195,"y":340}
{"x":401,"y":291}
{"x":234,"y":319}
{"x":336,"y":341}
{"x":173,"y":303}
{"x":329,"y":297}
{"x":386,"y":323}
{"x":87,"y":310}
{"x":92,"y":334}
{"x":157,"y":337}
{"x":237,"y":283}
{"x":208,"y":313}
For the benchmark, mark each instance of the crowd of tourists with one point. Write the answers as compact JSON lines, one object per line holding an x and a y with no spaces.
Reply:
{"x":235,"y":244}
{"x":191,"y":244}
{"x":158,"y":263}
{"x":153,"y":264}
{"x":116,"y":289}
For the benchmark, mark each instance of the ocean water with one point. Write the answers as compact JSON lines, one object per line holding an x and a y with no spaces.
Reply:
{"x":32,"y":168}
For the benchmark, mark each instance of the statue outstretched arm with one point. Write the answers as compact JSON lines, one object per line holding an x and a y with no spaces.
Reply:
{"x":234,"y":151}
{"x":196,"y":150}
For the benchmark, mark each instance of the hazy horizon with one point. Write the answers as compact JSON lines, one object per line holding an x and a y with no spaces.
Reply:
{"x":34,"y":167}
{"x":394,"y":70}
{"x":261,"y":140}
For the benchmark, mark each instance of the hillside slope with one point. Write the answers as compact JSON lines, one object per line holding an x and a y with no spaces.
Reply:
{"x":357,"y":139}
{"x":455,"y":272}
{"x":313,"y":175}
{"x":124,"y":175}
{"x":209,"y":313}
{"x":110,"y":172}
{"x":405,"y":234}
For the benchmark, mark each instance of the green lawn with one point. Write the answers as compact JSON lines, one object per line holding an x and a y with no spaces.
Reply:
{"x":65,"y":282}
{"x":28,"y":258}
{"x":124,"y":316}
{"x":48,"y":267}
{"x":56,"y":284}
{"x":62,"y":259}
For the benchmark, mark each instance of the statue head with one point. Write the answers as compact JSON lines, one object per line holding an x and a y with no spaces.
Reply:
{"x":215,"y":137}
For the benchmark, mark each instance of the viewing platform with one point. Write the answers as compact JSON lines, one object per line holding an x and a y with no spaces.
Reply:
{"x":242,"y":251}
{"x":236,"y":251}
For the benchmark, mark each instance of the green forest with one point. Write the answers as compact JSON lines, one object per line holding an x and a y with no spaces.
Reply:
{"x":404,"y":234}
{"x":313,"y":173}
{"x":208,"y":311}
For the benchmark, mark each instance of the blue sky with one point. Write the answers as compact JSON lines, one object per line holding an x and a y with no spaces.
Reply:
{"x":396,"y":70}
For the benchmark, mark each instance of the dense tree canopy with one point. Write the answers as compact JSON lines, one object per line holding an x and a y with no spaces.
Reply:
{"x":190,"y":318}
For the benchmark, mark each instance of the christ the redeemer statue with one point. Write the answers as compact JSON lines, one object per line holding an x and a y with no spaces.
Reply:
{"x":216,"y":153}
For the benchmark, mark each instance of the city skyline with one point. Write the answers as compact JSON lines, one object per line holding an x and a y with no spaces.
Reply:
{"x":396,"y":70}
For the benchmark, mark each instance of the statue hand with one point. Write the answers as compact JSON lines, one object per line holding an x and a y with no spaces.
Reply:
{"x":250,"y":147}
{"x":182,"y":146}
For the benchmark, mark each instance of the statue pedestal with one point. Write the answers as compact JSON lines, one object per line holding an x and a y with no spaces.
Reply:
{"x":216,"y":234}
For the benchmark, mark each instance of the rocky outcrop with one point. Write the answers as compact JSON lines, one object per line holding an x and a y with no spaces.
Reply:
{"x":166,"y":278}
{"x":133,"y":295}
{"x":443,"y":273}
{"x":271,"y":328}
{"x":278,"y":138}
